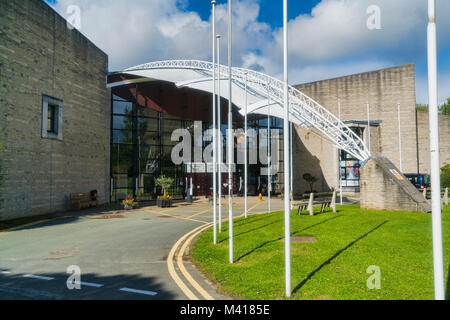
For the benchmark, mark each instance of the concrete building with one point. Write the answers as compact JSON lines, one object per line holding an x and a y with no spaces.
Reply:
{"x":372,"y":97}
{"x":54,"y":115}
{"x":63,"y":131}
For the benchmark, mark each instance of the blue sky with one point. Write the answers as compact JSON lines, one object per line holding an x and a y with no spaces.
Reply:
{"x":327,"y":38}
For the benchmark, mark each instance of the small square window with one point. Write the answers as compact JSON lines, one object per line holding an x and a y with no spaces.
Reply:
{"x":51,"y":118}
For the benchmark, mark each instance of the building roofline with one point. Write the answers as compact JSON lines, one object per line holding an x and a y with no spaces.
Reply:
{"x":358,"y":74}
{"x":74,"y":29}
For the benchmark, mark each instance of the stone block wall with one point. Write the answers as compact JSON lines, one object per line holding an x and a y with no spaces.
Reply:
{"x":383,"y":187}
{"x":424,"y":140}
{"x":40,"y":56}
{"x":383,"y":90}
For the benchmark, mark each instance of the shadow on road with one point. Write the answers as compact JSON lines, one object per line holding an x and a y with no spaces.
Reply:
{"x":59,"y":218}
{"x":18,"y":287}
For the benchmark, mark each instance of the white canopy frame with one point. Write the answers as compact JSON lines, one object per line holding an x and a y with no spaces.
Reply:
{"x":304,"y":111}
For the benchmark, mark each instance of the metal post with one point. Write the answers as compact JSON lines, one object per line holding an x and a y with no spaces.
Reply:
{"x":214,"y":122}
{"x":269,"y":163}
{"x":399,"y":137}
{"x":368,"y":126}
{"x":230,"y":134}
{"x":291,"y":193}
{"x":287,"y":231}
{"x":246,"y":147}
{"x":339,"y":159}
{"x":435,"y":158}
{"x":219,"y":146}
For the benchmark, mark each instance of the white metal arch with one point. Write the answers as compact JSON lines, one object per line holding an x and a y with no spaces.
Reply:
{"x":304,"y":111}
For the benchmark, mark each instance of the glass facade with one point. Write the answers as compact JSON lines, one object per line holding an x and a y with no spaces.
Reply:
{"x":350,"y":166}
{"x":141,"y":149}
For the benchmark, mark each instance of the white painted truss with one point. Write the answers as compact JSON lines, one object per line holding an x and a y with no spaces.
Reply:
{"x":304,"y":111}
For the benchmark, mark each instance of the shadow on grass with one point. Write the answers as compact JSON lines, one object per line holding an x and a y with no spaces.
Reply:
{"x":301,"y":284}
{"x":447,"y":295}
{"x":252,"y":230}
{"x":281,"y":238}
{"x":21,"y":287}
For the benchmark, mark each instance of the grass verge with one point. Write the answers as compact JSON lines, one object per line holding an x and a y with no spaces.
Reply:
{"x":334,"y":267}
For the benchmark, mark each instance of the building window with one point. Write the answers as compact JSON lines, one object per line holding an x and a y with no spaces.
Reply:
{"x":350,"y":166}
{"x":51,"y":118}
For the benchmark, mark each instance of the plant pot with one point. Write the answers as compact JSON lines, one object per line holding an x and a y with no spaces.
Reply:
{"x":164,"y":203}
{"x":127,"y":207}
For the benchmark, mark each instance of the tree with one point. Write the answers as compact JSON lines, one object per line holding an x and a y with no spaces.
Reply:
{"x":445,"y":108}
{"x":445,"y":176}
{"x":310,"y":179}
{"x":165,"y":183}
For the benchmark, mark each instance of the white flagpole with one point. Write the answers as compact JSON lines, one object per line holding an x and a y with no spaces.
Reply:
{"x":246,"y":146}
{"x":368,"y":127}
{"x":214,"y":121}
{"x":339,"y":158}
{"x":219,"y":146}
{"x":287,"y":231}
{"x":269,"y":164}
{"x":435,"y":158}
{"x":230,"y":134}
{"x":291,"y":141}
{"x":400,"y":137}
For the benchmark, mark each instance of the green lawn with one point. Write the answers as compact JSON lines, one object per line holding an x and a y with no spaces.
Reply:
{"x":334,"y":267}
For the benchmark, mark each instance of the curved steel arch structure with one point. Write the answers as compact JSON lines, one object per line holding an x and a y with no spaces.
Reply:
{"x":304,"y":111}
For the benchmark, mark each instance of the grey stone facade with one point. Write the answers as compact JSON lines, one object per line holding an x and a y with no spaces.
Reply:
{"x":383,"y":187}
{"x":383,"y":90}
{"x":40,"y":56}
{"x":424,"y":140}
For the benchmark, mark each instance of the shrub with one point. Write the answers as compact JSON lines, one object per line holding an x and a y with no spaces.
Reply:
{"x":445,"y":176}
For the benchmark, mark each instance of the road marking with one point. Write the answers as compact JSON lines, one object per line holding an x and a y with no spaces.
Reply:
{"x":248,"y":211}
{"x":186,"y":274}
{"x":88,"y":284}
{"x":170,"y":265}
{"x":176,"y":217}
{"x":200,"y":213}
{"x":32,"y":276}
{"x":148,"y":293}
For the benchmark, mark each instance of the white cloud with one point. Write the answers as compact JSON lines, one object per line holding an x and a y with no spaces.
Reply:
{"x":331,"y":41}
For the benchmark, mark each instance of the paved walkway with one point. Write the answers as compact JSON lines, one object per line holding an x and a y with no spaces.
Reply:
{"x":139,"y":254}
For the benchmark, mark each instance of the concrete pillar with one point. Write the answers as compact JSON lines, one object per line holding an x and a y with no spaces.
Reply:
{"x":333,"y":201}
{"x":445,"y":200}
{"x":310,"y":204}
{"x":424,"y":192}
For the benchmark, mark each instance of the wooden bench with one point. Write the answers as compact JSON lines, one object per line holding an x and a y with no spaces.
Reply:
{"x":80,"y":201}
{"x":324,"y":200}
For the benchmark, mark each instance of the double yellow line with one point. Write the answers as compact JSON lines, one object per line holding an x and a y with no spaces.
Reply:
{"x":177,"y":253}
{"x":176,"y":256}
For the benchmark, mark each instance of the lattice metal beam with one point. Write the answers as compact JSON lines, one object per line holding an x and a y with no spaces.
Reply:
{"x":305,"y":110}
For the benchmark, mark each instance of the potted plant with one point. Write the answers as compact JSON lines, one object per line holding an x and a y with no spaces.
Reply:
{"x":129,"y":203}
{"x":210,"y":200}
{"x":164,"y":201}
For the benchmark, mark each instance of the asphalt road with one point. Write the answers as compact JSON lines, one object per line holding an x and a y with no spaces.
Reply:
{"x":121,"y":255}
